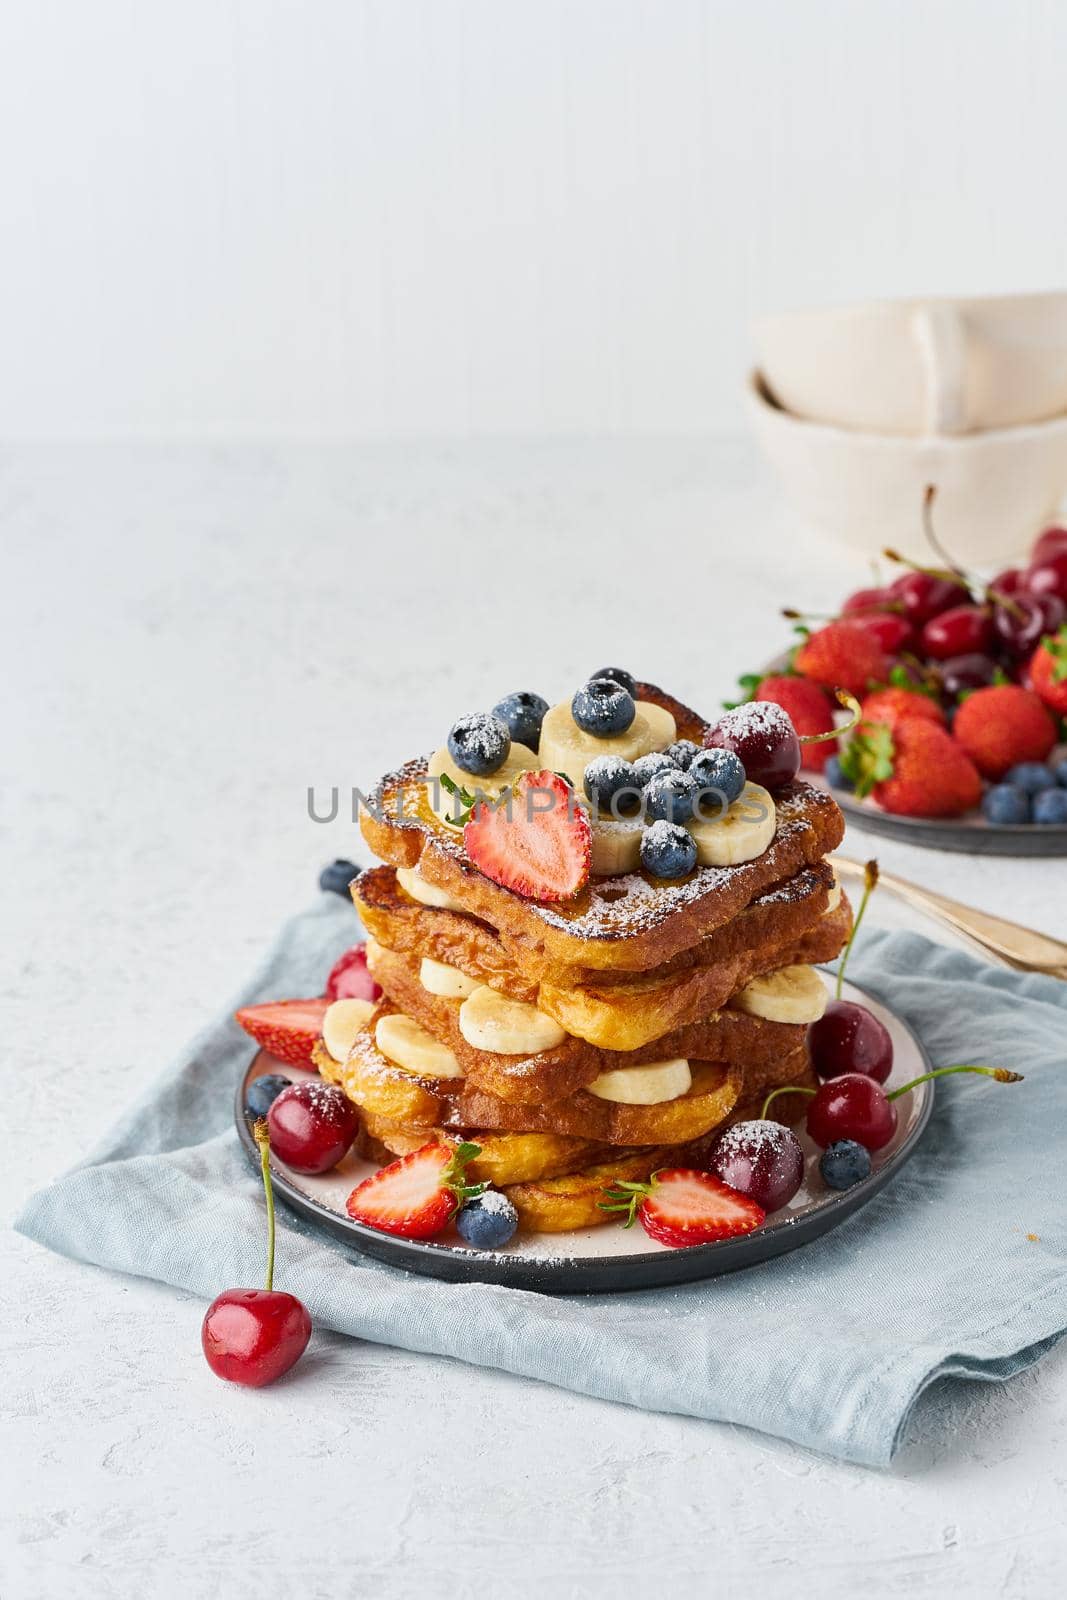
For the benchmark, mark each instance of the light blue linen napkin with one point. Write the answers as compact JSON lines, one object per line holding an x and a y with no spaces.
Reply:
{"x":958,"y":1269}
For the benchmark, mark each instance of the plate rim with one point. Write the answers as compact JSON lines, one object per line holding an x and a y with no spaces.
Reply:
{"x":579,"y":1274}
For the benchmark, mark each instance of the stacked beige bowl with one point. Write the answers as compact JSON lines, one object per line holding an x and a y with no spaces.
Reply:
{"x":859,"y":408}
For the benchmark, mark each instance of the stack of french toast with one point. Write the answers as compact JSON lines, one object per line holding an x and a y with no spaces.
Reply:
{"x":585,"y":1025}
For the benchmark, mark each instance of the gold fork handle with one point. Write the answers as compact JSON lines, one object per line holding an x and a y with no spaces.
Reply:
{"x":1008,"y":941}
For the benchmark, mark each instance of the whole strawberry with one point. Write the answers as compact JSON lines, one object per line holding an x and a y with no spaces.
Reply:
{"x":843,"y":655}
{"x":809,"y":710}
{"x":913,"y":769}
{"x":1048,"y":672}
{"x":890,"y":705}
{"x":1002,"y":726}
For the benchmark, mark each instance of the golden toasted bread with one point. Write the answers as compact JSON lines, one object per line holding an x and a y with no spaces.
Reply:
{"x":550,"y":1075}
{"x":631,"y":922}
{"x":503,"y":1157}
{"x":622,"y":1013}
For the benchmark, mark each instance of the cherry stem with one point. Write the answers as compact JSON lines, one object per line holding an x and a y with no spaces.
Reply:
{"x":850,"y":703}
{"x":262,"y":1138}
{"x":1003,"y":600}
{"x":788,"y":1089}
{"x":999,"y":1074}
{"x":870,"y":883}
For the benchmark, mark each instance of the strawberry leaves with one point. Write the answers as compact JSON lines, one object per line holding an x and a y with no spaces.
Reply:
{"x":867,"y":759}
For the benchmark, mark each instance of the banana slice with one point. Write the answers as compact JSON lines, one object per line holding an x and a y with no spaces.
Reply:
{"x":343,"y":1020}
{"x":616,"y":846}
{"x":411,"y":1048}
{"x":567,"y":748}
{"x":792,"y":994}
{"x":427,"y":894}
{"x":439,"y":978}
{"x":661,"y":725}
{"x":649,"y":1085}
{"x":835,"y":896}
{"x":520,"y":759}
{"x":490,"y":1021}
{"x":742,"y":834}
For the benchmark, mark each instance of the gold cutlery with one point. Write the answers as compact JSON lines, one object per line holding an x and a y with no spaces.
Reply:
{"x":1022,"y":948}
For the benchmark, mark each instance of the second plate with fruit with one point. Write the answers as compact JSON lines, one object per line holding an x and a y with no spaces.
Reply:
{"x":963,"y":691}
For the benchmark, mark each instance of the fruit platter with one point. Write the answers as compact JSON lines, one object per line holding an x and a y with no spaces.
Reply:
{"x":962,"y":685}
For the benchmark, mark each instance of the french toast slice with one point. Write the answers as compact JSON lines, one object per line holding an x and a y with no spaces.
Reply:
{"x":560,"y":1205}
{"x":503,"y":1158}
{"x":614,"y":1011}
{"x":550,"y":1075}
{"x":630,"y":922}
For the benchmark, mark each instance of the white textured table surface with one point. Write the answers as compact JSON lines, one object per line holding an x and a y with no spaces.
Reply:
{"x":193,"y":636}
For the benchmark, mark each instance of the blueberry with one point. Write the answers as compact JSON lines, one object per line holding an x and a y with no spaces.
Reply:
{"x":668,"y":850}
{"x":603,"y":708}
{"x":620,"y":676}
{"x":844,"y":1163}
{"x":489,"y":1221}
{"x":720,"y":770}
{"x":337,"y":876}
{"x":479,"y":744}
{"x":1004,"y":804}
{"x":608,"y":777}
{"x":646,"y":767}
{"x":262,"y":1093}
{"x":1031,"y":777}
{"x":682,"y":753}
{"x":522,"y":713}
{"x":1051,"y":806}
{"x":671,"y":796}
{"x":1059,"y":772}
{"x":834,"y":775}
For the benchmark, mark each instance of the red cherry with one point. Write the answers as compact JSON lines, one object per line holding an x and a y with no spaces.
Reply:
{"x":760,"y":1158}
{"x":1049,"y":575}
{"x":967,"y":672}
{"x":865,"y":600}
{"x":1010,"y":581}
{"x":349,"y":978}
{"x":922,"y":595}
{"x":959,"y":631}
{"x":849,"y":1038}
{"x":852,"y":1106}
{"x":252,"y":1336}
{"x":892,"y":631}
{"x":1049,"y":544}
{"x":311,"y":1125}
{"x":1026,"y":619}
{"x":762,"y":736}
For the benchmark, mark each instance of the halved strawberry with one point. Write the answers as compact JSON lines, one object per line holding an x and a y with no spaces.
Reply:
{"x":681,"y":1207}
{"x":537,"y":842}
{"x":417,"y":1195}
{"x":285,"y":1028}
{"x":349,"y":978}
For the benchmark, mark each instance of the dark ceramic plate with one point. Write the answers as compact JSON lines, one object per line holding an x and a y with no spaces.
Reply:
{"x":609,"y":1258}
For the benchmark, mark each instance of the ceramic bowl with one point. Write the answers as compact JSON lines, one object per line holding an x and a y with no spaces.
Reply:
{"x":996,"y":490}
{"x":921,"y":366}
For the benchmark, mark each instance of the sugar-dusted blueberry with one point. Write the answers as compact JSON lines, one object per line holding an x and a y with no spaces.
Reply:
{"x":335,"y":878}
{"x":1031,"y":777}
{"x":608,"y":779}
{"x":646,"y":767}
{"x":262,"y":1093}
{"x":487,"y":1222}
{"x":671,"y":796}
{"x":834,"y":774}
{"x":522,"y":713}
{"x":603,"y":708}
{"x":668,"y":850}
{"x":1050,"y":807}
{"x":620,"y":676}
{"x":844,"y":1163}
{"x":1004,"y":804}
{"x":1059,"y":772}
{"x":682,"y":753}
{"x":720,"y":770}
{"x":479,"y":744}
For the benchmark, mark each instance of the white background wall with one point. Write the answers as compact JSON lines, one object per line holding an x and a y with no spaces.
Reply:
{"x":453,"y":216}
